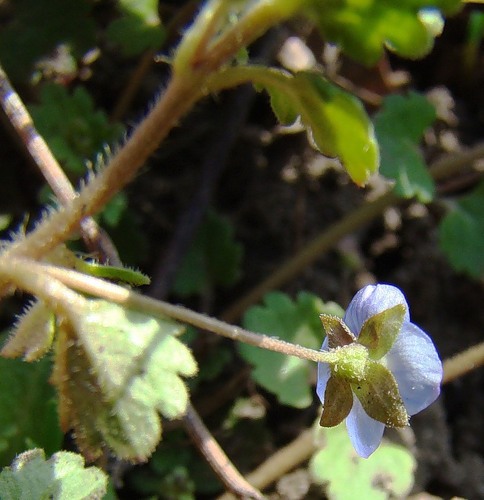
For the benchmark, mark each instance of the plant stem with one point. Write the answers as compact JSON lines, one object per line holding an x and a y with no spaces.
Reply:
{"x":175,"y":102}
{"x":127,"y":298}
{"x":95,"y":238}
{"x":217,"y":458}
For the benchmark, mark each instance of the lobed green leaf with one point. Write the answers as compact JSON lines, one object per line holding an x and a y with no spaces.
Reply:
{"x":61,"y":477}
{"x":399,"y":127}
{"x":295,"y":321}
{"x":115,"y":370}
{"x":389,"y":472}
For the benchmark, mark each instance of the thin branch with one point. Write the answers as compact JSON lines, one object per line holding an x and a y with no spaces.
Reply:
{"x":95,"y":238}
{"x":463,"y":363}
{"x":216,"y":457}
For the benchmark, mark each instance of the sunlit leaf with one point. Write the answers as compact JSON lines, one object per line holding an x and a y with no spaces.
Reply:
{"x":295,"y":321}
{"x":399,"y":126}
{"x":389,"y":472}
{"x":336,"y":120}
{"x":364,"y":29}
{"x":61,"y":477}
{"x":115,"y":370}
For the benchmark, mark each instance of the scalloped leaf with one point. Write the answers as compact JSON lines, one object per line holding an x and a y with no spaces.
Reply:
{"x":399,"y":126}
{"x":336,"y":120}
{"x":115,"y":370}
{"x":461,"y":233}
{"x":388,"y":472}
{"x":295,"y":321}
{"x":28,"y":408}
{"x":364,"y":29}
{"x":63,"y":477}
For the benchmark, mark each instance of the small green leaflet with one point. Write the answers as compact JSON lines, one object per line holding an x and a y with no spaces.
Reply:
{"x":461,"y":233}
{"x":294,"y":321}
{"x":364,"y":29}
{"x":28,"y":408}
{"x":389,"y":472}
{"x":139,"y":28}
{"x":399,"y":127}
{"x":61,"y":477}
{"x":336,"y":120}
{"x":213,"y":259}
{"x":115,"y":370}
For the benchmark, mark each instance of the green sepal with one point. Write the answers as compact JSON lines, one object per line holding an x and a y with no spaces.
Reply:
{"x":379,"y":332}
{"x":379,"y":396}
{"x":114,"y":273}
{"x":338,"y":401}
{"x":336,"y":330}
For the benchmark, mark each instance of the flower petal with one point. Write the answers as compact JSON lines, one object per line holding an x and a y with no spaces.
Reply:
{"x":365,"y":432}
{"x":416,"y":367}
{"x":323,"y":374}
{"x":371,"y":300}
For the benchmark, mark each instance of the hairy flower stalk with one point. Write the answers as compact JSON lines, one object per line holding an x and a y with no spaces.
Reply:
{"x":385,"y":370}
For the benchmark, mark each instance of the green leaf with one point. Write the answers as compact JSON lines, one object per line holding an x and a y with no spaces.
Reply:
{"x":379,"y":396}
{"x":115,"y":370}
{"x":337,"y":121}
{"x":72,"y":127}
{"x":399,"y":127}
{"x":388,"y":472}
{"x":139,"y":28}
{"x":461,"y":233}
{"x":214,"y":258}
{"x":380,"y":331}
{"x":36,"y":28}
{"x":363,"y":29}
{"x":28,"y":410}
{"x":63,"y":477}
{"x":32,"y":335}
{"x":295,"y":321}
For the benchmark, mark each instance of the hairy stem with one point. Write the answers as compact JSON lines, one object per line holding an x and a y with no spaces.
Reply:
{"x":109,"y":291}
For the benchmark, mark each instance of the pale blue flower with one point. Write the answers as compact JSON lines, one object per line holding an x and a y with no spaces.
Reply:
{"x":412,"y":360}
